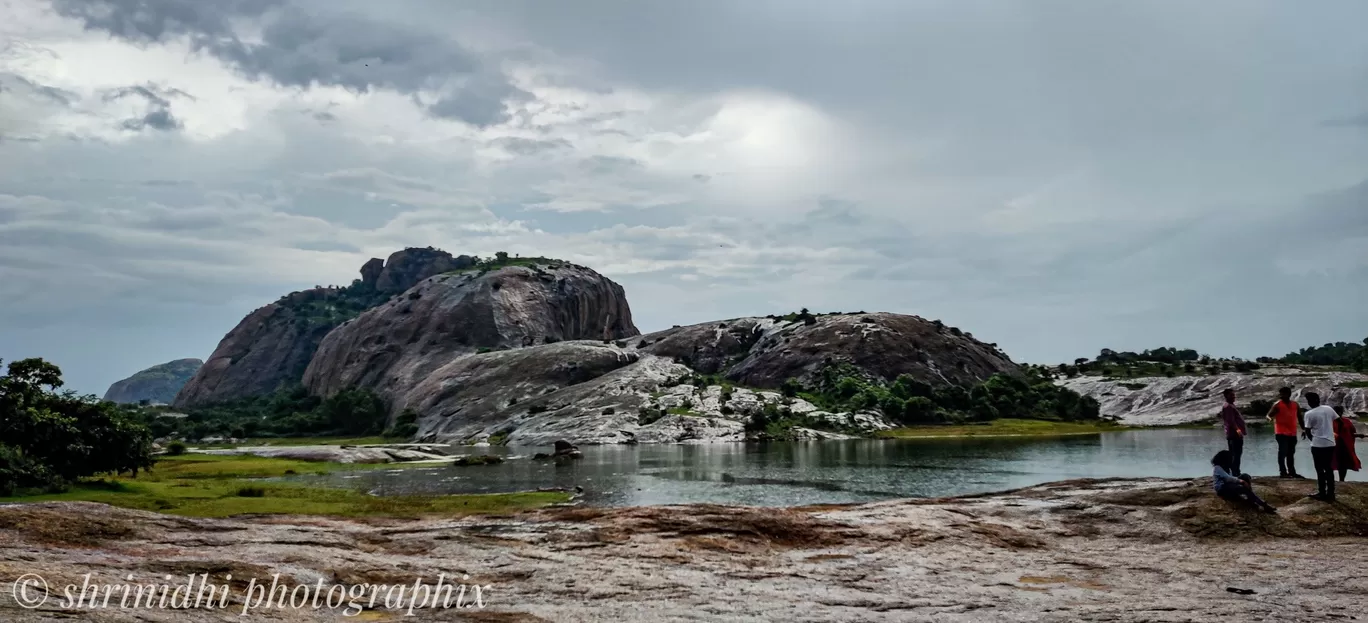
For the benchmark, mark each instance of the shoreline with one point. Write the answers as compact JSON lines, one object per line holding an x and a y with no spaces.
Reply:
{"x":1066,"y":551}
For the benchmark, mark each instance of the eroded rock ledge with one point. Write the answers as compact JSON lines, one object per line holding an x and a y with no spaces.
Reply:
{"x":1114,"y":550}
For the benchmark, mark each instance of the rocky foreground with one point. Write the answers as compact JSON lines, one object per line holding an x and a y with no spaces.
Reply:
{"x":1118,"y":550}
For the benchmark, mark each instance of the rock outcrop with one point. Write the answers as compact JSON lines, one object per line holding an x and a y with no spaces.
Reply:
{"x":399,"y":345}
{"x":157,"y":384}
{"x":268,"y":350}
{"x":404,"y":269}
{"x":272,"y":346}
{"x":1166,"y":401}
{"x":764,"y":352}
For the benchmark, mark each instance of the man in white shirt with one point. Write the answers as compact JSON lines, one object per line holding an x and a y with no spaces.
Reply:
{"x":1320,"y":429}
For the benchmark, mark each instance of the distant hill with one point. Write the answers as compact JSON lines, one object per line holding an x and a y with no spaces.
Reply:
{"x":158,"y":384}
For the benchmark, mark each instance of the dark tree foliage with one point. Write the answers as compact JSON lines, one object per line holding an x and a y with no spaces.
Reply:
{"x":288,"y":412}
{"x":1164,"y":354}
{"x":49,"y":439}
{"x":1334,"y":354}
{"x":909,"y":401}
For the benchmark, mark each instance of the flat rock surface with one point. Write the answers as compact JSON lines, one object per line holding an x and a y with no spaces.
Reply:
{"x":341,"y":454}
{"x":1116,"y":550}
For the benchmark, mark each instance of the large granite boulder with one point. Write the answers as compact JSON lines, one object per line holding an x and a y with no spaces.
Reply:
{"x":765,"y":352}
{"x":399,"y":345}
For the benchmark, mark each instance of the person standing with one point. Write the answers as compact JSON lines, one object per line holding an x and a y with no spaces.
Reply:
{"x":1320,"y":429}
{"x":1286,"y":418}
{"x":1235,"y":431}
{"x":1345,"y":434}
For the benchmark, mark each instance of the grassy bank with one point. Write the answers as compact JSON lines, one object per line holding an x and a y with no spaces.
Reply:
{"x":1006,"y":427}
{"x":222,"y":486}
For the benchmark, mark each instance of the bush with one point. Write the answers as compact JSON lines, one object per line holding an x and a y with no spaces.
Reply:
{"x":405,"y":426}
{"x":175,"y":448}
{"x":650,"y":415}
{"x":251,"y":492}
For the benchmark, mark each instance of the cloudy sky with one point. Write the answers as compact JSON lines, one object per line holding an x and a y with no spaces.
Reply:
{"x":1056,"y":177}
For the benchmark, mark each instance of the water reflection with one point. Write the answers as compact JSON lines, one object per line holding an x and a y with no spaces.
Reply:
{"x":782,"y":474}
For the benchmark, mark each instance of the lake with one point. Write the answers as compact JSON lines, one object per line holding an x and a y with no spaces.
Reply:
{"x":861,"y":470}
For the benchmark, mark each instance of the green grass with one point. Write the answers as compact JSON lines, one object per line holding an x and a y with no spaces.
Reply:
{"x":1355,"y":384}
{"x":1006,"y":427}
{"x":223,"y":486}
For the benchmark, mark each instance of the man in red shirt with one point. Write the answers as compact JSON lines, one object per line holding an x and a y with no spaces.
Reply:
{"x":1286,"y":418}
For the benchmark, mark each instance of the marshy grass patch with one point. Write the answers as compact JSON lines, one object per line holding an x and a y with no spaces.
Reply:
{"x":201,"y":485}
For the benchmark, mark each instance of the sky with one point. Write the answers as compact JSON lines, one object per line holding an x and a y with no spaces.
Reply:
{"x":1056,"y":177}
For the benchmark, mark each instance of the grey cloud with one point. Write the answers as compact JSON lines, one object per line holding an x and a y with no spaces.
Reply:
{"x":155,"y":95}
{"x":158,"y":116}
{"x":530,"y":147}
{"x":303,"y":48}
{"x":161,"y":120}
{"x":1357,"y":121}
{"x":152,"y":21}
{"x":14,"y":82}
{"x":603,"y":165}
{"x":480,"y":100}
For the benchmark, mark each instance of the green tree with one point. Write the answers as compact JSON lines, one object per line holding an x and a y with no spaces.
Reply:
{"x":49,"y":439}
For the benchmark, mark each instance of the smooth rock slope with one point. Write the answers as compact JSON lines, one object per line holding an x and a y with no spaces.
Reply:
{"x":1164,"y":401}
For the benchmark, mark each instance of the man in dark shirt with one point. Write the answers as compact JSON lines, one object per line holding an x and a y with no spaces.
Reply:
{"x":1235,"y":430}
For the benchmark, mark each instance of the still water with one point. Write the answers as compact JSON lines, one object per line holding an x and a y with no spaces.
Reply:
{"x":783,"y":474}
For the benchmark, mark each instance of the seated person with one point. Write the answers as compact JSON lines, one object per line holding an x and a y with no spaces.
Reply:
{"x":1232,"y":488}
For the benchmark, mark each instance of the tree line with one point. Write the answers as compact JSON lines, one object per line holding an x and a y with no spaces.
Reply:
{"x":50,"y":438}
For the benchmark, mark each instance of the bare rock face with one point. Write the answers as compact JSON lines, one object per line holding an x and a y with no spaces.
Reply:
{"x":764,"y":352}
{"x":1166,"y":401}
{"x":397,"y":346}
{"x":370,"y":271}
{"x":272,"y":346}
{"x":157,"y":384}
{"x":525,"y":389}
{"x":269,"y":349}
{"x":404,"y":269}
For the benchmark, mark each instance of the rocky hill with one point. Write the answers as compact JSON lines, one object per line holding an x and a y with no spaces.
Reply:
{"x":157,"y":384}
{"x":531,"y":350}
{"x":1163,"y":400}
{"x":397,"y":345}
{"x":272,"y":346}
{"x":634,"y":390}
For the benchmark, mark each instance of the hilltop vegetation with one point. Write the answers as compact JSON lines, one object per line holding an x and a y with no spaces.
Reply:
{"x":1169,"y":361}
{"x":1348,"y":354}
